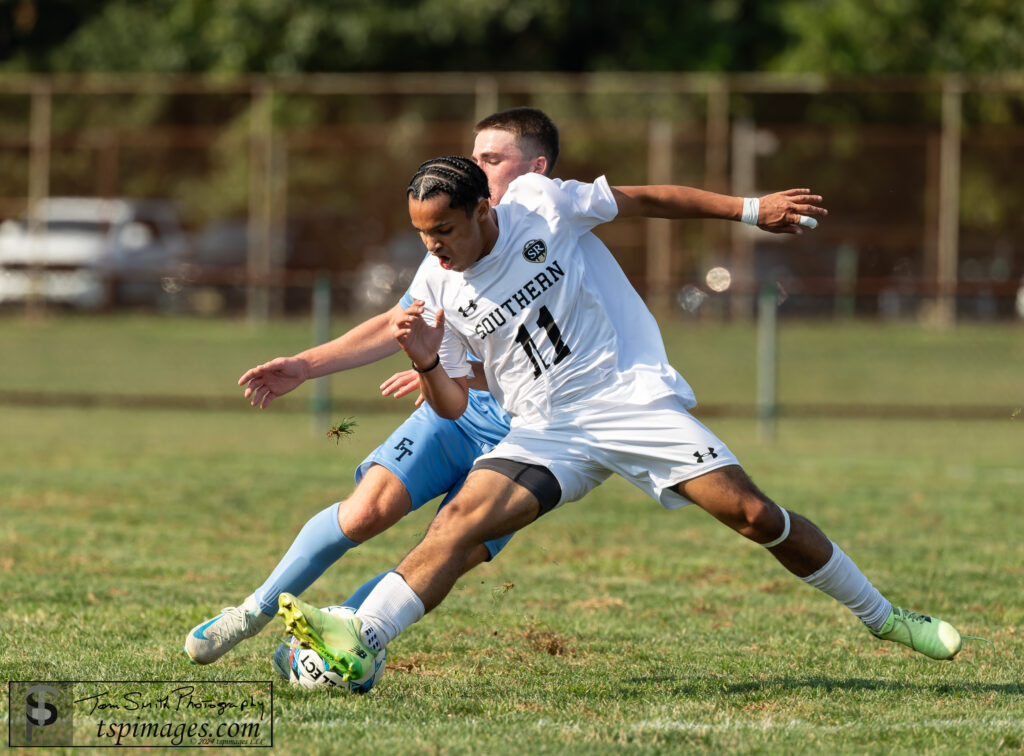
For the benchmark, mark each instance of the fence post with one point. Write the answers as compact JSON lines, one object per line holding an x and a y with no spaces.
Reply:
{"x":767,"y":362}
{"x":744,"y":167}
{"x":716,"y":234}
{"x":658,"y":261}
{"x":320,"y":403}
{"x":40,"y":118}
{"x":949,"y":201}
{"x":846,"y":281}
{"x":260,"y":180}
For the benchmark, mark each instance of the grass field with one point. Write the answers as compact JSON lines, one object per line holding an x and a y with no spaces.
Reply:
{"x":611,"y":626}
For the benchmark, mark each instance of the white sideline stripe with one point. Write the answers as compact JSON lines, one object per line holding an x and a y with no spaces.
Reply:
{"x":664,"y":725}
{"x":727,"y":725}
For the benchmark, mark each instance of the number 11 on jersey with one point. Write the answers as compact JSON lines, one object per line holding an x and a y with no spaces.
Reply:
{"x":545,"y":321}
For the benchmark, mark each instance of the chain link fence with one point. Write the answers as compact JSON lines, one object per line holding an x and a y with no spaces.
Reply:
{"x":255,"y":187}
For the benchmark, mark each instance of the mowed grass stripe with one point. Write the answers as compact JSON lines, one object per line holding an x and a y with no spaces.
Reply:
{"x":820,"y":363}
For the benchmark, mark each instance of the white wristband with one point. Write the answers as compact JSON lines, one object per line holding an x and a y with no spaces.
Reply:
{"x":751,"y":208}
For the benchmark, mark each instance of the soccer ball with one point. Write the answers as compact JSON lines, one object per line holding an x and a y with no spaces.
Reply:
{"x":307,"y":669}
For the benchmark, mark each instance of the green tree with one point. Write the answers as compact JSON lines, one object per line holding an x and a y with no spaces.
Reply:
{"x":902,"y":36}
{"x":291,"y":36}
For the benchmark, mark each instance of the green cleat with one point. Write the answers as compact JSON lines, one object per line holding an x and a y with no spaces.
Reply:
{"x":926,"y":635}
{"x":338,"y":640}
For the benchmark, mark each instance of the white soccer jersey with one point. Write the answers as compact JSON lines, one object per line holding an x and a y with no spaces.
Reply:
{"x":640,"y":348}
{"x":548,"y":310}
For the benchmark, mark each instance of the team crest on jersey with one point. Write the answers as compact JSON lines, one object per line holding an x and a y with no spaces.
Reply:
{"x":535,"y":251}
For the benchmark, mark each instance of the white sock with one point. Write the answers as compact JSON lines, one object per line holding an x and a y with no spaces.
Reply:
{"x":841,"y":579}
{"x":391,"y":607}
{"x":252,"y":606}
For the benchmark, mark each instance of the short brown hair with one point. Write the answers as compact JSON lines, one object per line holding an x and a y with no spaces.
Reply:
{"x":532,"y":129}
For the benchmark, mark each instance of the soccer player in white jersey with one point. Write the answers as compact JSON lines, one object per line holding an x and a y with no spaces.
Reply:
{"x":427,"y":456}
{"x":508,"y":284}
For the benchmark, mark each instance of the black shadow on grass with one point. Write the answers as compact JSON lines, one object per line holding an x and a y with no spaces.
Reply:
{"x":823,"y":684}
{"x":829,"y":684}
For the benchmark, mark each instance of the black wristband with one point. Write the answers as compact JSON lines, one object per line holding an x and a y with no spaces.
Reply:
{"x":434,"y":364}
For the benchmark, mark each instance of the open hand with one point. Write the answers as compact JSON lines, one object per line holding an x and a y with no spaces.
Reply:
{"x":790,"y":211}
{"x":266,"y":382}
{"x":402,"y":384}
{"x":419,"y":340}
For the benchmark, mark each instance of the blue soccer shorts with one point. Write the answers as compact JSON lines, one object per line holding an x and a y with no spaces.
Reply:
{"x":431,"y":456}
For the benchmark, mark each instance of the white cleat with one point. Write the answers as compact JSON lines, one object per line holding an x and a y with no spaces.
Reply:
{"x":209,"y":641}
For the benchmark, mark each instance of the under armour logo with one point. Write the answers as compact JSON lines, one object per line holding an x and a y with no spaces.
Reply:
{"x":535,"y":251}
{"x":709,"y":453}
{"x":402,"y":449}
{"x":468,"y":309}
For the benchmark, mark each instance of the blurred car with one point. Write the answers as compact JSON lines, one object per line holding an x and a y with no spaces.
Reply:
{"x":383,"y":277}
{"x":91,"y":253}
{"x":216,"y":273}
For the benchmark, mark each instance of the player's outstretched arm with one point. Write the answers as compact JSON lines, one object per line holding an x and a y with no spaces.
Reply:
{"x":368,"y":342}
{"x":422,"y":343}
{"x":779,"y":212}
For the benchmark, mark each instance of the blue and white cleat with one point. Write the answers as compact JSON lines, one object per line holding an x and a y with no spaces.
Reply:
{"x":209,"y":641}
{"x":283,"y":661}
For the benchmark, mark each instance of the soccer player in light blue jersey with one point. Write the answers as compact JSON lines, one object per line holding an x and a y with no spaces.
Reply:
{"x":429,"y":456}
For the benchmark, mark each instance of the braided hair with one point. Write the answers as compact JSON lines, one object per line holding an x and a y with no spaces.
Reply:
{"x":457,"y":177}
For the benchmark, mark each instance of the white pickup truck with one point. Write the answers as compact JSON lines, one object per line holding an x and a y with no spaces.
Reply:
{"x":91,"y":253}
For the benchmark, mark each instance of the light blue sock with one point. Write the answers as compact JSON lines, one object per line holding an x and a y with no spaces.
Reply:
{"x":318,"y":545}
{"x":357,"y":598}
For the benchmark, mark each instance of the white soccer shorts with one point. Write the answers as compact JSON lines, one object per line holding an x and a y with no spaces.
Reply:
{"x":653,"y":446}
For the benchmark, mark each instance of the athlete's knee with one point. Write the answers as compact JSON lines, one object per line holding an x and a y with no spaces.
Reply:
{"x":455,"y":526}
{"x":364,"y":521}
{"x":763,"y":519}
{"x":470,"y":520}
{"x":372,"y":508}
{"x":460,"y":513}
{"x":731,"y":496}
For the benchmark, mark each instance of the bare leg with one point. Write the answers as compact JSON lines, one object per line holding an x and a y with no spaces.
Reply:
{"x":477,"y":556}
{"x":378,"y":502}
{"x":489,"y":506}
{"x":731,"y":497}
